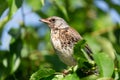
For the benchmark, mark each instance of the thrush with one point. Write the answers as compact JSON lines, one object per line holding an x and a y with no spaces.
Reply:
{"x":63,"y":38}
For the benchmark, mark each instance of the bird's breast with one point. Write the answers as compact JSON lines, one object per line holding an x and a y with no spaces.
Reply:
{"x":63,"y":50}
{"x":55,"y":40}
{"x":61,"y":43}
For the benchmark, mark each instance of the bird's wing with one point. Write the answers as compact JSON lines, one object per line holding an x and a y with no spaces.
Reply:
{"x":73,"y":33}
{"x":69,"y":36}
{"x":75,"y":37}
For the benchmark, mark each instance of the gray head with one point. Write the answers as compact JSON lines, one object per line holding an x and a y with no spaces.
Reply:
{"x":55,"y":22}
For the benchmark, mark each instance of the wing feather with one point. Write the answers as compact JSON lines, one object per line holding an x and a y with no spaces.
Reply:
{"x":71,"y":36}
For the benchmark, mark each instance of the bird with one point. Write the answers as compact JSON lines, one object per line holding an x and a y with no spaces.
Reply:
{"x":63,"y":38}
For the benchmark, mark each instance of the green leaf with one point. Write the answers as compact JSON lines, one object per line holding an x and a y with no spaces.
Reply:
{"x":15,"y":33}
{"x":3,"y":6}
{"x":43,"y":2}
{"x":12,"y":8}
{"x":106,"y":22}
{"x":71,"y":77}
{"x":16,"y":46}
{"x":3,"y":73}
{"x":105,"y":79}
{"x":106,"y":46}
{"x":78,"y":47}
{"x":78,"y":54}
{"x":60,"y":5}
{"x":35,"y":4}
{"x":11,"y":63}
{"x":58,"y":77}
{"x":94,"y":45}
{"x":0,"y":42}
{"x":18,"y":3}
{"x":117,"y":67}
{"x":13,"y":58}
{"x":2,"y":24}
{"x":91,"y":77}
{"x":15,"y":62}
{"x":105,"y":64}
{"x":42,"y":73}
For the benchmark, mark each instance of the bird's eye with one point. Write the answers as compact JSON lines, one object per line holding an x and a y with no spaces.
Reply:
{"x":52,"y":20}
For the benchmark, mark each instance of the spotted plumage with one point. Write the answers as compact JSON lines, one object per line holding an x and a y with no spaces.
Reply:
{"x":63,"y":38}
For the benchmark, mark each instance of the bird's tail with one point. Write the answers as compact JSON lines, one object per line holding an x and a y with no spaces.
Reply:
{"x":88,"y":51}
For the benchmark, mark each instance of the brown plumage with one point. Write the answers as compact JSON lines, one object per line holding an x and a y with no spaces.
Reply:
{"x":63,"y":38}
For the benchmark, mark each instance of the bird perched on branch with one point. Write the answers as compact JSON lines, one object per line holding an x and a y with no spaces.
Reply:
{"x":63,"y":39}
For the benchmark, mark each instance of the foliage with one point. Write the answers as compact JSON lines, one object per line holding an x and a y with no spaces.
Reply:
{"x":30,"y":54}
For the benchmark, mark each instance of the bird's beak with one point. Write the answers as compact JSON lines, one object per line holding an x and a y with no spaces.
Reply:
{"x":45,"y":21}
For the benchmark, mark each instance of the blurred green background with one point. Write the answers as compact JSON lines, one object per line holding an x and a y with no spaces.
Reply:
{"x":25,"y":42}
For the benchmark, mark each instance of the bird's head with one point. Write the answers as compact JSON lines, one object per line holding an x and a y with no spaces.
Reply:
{"x":55,"y":22}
